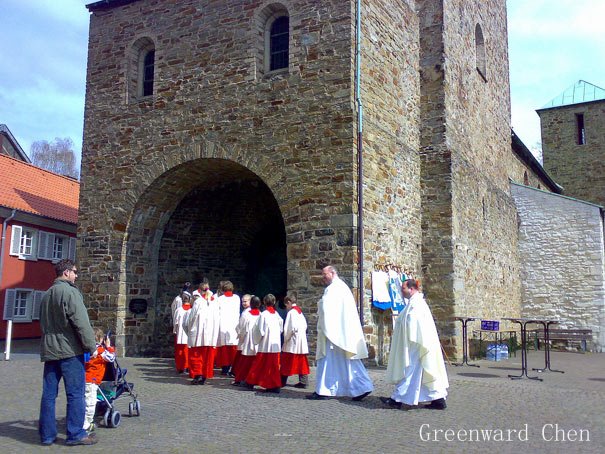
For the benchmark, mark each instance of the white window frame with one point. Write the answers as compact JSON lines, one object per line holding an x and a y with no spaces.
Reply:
{"x":33,"y":298}
{"x":46,"y":246}
{"x":18,"y":233}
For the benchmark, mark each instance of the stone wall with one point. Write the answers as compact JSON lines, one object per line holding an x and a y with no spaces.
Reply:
{"x":580,"y":169}
{"x":469,"y":219}
{"x":214,"y":116}
{"x":390,"y":91}
{"x":562,"y":260}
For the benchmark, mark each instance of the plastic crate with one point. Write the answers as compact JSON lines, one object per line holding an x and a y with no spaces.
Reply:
{"x":497,"y":352}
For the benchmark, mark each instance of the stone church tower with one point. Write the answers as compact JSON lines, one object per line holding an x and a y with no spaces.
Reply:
{"x":573,"y":141}
{"x":221,"y":141}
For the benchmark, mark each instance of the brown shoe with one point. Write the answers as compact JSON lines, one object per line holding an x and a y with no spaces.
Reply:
{"x":88,"y":440}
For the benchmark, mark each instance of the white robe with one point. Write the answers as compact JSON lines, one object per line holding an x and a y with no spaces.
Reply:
{"x":180,"y":320}
{"x":228,"y":307}
{"x":416,"y":361}
{"x":267,"y":332}
{"x":340,"y":345}
{"x":176,"y":303}
{"x":339,"y":322}
{"x":202,"y":324}
{"x":295,"y":333}
{"x":247,"y":321}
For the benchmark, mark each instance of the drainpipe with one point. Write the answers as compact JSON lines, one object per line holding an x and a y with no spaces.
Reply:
{"x":7,"y":350}
{"x":359,"y":154}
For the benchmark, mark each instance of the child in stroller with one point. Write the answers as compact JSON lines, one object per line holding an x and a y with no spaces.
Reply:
{"x":113,"y":386}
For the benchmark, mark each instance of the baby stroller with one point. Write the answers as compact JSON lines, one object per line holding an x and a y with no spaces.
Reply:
{"x":113,"y":386}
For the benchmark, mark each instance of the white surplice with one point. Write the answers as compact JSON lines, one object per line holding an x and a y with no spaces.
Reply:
{"x":340,"y":345}
{"x":416,"y":361}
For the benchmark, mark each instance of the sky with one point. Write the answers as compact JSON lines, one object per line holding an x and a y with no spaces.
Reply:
{"x":43,"y":50}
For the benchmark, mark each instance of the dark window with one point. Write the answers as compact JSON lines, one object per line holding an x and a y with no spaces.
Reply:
{"x":279,"y":42}
{"x":148,"y":70}
{"x":525,"y":179}
{"x":480,"y":59}
{"x":580,"y":129}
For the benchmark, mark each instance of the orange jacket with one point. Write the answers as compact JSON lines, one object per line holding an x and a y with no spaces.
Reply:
{"x":95,"y":368}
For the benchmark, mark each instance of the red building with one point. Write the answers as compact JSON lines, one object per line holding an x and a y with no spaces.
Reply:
{"x":38,"y":216}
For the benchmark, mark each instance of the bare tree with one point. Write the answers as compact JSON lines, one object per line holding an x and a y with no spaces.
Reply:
{"x":57,"y":156}
{"x":536,"y":150}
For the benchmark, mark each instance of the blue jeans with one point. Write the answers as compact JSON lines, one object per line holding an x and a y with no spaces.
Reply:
{"x":72,"y":372}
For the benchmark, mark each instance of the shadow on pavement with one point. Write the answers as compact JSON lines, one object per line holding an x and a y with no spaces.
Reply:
{"x":24,"y":431}
{"x":478,"y":375}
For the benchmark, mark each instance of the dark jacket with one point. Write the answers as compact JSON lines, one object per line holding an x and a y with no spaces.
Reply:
{"x":66,"y":330}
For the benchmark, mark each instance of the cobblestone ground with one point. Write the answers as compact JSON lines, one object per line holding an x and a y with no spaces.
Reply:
{"x":564,"y":413}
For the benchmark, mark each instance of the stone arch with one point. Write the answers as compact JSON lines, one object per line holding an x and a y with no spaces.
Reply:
{"x":206,"y":215}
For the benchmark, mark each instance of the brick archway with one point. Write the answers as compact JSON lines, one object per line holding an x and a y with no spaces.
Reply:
{"x":208,"y":217}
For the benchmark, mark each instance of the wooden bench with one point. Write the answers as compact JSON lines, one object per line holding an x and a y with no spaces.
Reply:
{"x":558,"y":334}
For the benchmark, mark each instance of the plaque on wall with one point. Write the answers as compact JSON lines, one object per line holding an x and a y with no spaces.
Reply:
{"x":138,"y":306}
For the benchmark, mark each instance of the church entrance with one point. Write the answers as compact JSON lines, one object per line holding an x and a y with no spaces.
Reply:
{"x":211,"y":219}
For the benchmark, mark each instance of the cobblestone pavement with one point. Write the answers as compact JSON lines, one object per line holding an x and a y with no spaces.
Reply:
{"x":564,"y":413}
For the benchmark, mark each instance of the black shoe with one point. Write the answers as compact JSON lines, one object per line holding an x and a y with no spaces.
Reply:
{"x":300,"y":385}
{"x":48,"y":443}
{"x":390,"y":402}
{"x":315,"y":396}
{"x":273,"y":390}
{"x":196,"y":380}
{"x":361,"y":396}
{"x":82,"y":441}
{"x":202,"y":381}
{"x":186,"y":371}
{"x":438,"y":404}
{"x":235,"y":383}
{"x":247,"y":386}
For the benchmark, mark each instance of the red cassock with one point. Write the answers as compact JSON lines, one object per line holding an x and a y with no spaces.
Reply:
{"x":181,"y":357}
{"x":225,"y":355}
{"x":265,"y":371}
{"x":208,"y":354}
{"x":244,"y":364}
{"x":195,"y":361}
{"x":293,"y":364}
{"x":266,"y":333}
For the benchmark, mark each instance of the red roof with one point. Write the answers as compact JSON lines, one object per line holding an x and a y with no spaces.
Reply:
{"x":34,"y":190}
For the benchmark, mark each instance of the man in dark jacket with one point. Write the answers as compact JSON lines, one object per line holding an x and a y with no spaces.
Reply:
{"x":66,"y":336}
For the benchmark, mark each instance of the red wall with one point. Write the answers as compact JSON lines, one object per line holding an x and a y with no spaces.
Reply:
{"x":36,"y":275}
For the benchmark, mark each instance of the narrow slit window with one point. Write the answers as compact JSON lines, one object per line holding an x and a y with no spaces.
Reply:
{"x":580,"y":129}
{"x":148,"y":73}
{"x":279,"y":43}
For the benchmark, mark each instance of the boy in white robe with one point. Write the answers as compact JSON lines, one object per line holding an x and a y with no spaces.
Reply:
{"x":295,"y":350}
{"x":228,"y":307}
{"x":416,"y":361}
{"x":247,"y":321}
{"x":267,"y":336}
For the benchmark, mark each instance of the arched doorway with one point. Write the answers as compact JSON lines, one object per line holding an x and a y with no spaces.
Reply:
{"x":208,"y":218}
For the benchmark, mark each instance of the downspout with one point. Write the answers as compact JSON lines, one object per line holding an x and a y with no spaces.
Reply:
{"x":359,"y":153}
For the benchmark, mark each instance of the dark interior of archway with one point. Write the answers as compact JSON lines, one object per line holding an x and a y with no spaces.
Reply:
{"x":232,"y":231}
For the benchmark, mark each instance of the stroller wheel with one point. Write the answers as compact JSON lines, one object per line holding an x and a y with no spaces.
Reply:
{"x":137,"y":408}
{"x":106,"y":417}
{"x":131,"y":409}
{"x":114,"y":419}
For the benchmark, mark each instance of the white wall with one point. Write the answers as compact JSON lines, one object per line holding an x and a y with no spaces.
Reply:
{"x":562,"y":260}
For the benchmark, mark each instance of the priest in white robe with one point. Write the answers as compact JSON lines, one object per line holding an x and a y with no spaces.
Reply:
{"x":416,"y":362}
{"x":340,"y":343}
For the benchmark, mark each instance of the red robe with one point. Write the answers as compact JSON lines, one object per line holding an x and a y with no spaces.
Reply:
{"x":265,"y":368}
